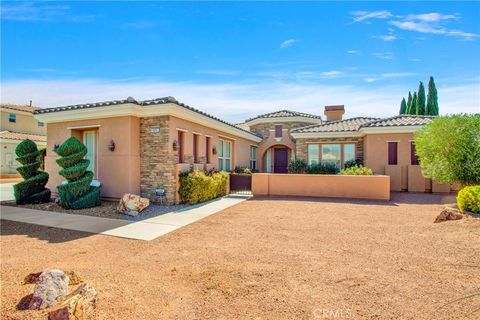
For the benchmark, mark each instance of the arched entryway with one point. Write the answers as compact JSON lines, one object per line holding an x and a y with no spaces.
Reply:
{"x":276,"y":159}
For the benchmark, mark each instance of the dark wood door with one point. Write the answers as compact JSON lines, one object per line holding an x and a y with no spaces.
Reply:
{"x":280,"y":161}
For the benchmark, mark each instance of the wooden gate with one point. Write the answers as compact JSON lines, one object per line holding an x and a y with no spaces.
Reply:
{"x":240,"y":183}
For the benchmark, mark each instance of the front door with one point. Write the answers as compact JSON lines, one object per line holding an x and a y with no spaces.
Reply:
{"x":281,"y":161}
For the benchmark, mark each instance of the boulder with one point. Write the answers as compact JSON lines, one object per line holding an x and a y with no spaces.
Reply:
{"x":77,"y":305}
{"x":51,"y":286}
{"x":449,"y":214}
{"x":32,"y":278}
{"x":74,"y":278}
{"x":132,"y":204}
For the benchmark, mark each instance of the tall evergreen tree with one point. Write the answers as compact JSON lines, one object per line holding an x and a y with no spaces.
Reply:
{"x":409,"y":103}
{"x":413,"y":109}
{"x":421,"y":100}
{"x":432,"y":99}
{"x":403,"y":106}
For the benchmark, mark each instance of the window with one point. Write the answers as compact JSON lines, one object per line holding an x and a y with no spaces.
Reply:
{"x":392,"y":153}
{"x":253,"y":157}
{"x":348,"y":152}
{"x":268,"y":161}
{"x":40,"y":124}
{"x":413,"y":155}
{"x":207,"y":149}
{"x":89,"y":141}
{"x":278,"y":130}
{"x":180,"y":146}
{"x":12,"y":118}
{"x":331,"y":154}
{"x":224,"y":155}
{"x":313,"y":154}
{"x":195,"y":148}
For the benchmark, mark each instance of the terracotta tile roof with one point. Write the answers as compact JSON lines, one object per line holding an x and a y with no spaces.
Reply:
{"x":16,"y":107}
{"x":164,"y":100}
{"x":285,"y":114}
{"x":22,"y":136}
{"x":402,"y":120}
{"x":352,"y":124}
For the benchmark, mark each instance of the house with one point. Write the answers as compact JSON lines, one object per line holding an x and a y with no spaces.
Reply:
{"x":17,"y":124}
{"x":140,"y":146}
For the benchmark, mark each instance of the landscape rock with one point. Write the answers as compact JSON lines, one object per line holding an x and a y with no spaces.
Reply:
{"x":132,"y":204}
{"x":449,"y":214}
{"x":74,"y":278}
{"x":51,"y":286}
{"x":77,"y":305}
{"x":32,"y":278}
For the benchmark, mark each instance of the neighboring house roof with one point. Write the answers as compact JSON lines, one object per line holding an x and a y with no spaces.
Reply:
{"x":24,"y":108}
{"x":399,"y":121}
{"x":284,"y":114}
{"x":22,"y":136}
{"x":347,"y":125}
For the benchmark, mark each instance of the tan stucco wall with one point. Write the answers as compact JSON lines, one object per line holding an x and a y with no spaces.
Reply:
{"x":286,"y":141}
{"x":332,"y":186}
{"x":264,"y":128}
{"x":26,"y":123}
{"x":118,"y":171}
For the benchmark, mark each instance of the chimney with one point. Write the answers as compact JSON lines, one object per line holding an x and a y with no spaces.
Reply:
{"x":334,"y":113}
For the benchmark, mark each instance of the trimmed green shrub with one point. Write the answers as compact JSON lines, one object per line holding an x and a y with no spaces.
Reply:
{"x":197,"y":186}
{"x":243,"y":170}
{"x":357,"y":171}
{"x":32,"y":188}
{"x":77,"y":193}
{"x":298,"y":166}
{"x":468,"y":199}
{"x":353,"y":163}
{"x":323,"y":168}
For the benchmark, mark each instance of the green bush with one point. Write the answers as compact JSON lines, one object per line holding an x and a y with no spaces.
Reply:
{"x":244,"y":170}
{"x":32,"y":188}
{"x":468,"y":199}
{"x":77,"y":193}
{"x":323,"y":168}
{"x":298,"y":166}
{"x":353,"y":163}
{"x":357,"y":171}
{"x":197,"y":186}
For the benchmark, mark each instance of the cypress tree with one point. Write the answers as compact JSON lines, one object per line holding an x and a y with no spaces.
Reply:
{"x":413,"y":109}
{"x":409,"y":103}
{"x":421,"y":100}
{"x":403,"y":106}
{"x":432,"y":99}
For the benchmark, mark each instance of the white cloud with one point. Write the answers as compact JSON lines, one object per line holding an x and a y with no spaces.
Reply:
{"x":235,"y":102}
{"x":397,"y":74}
{"x":383,"y":55}
{"x":353,"y":51}
{"x":359,"y":16}
{"x":432,"y":17}
{"x":331,"y":74}
{"x":388,"y":37}
{"x":220,"y":72}
{"x":415,"y":59}
{"x":27,"y":11}
{"x":371,"y":79}
{"x":288,"y":43}
{"x":138,"y":25}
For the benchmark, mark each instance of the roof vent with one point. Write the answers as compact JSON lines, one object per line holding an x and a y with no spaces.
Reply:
{"x":131,"y":100}
{"x":334,"y":113}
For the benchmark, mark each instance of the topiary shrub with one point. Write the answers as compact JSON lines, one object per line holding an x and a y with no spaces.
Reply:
{"x":197,"y":186}
{"x":298,"y":166}
{"x":357,"y":171}
{"x":468,"y":199}
{"x":77,"y":193}
{"x":32,"y":188}
{"x":323,"y":168}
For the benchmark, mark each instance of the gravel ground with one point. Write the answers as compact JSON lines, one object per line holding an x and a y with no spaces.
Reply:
{"x":106,"y":210}
{"x":267,"y":259}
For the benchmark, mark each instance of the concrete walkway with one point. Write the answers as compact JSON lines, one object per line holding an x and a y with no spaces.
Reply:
{"x":147,"y":229}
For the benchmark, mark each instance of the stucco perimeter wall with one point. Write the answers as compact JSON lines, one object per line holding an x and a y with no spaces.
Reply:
{"x":118,"y":170}
{"x":330,"y":186}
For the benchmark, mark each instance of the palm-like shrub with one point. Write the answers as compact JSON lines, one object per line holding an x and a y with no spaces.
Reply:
{"x":32,"y":188}
{"x":76,"y":193}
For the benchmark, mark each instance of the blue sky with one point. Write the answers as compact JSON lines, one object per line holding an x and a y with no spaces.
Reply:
{"x":236,"y":60}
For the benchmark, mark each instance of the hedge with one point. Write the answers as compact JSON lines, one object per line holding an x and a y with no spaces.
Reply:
{"x":198,"y":186}
{"x":301,"y":166}
{"x":357,"y":171}
{"x":468,"y":199}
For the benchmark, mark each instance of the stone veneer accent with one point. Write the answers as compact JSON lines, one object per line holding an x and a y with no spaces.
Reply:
{"x":264,"y":128}
{"x":302,"y":145}
{"x":157,"y":160}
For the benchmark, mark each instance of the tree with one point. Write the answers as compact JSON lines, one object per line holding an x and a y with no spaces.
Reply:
{"x":409,"y":103}
{"x":413,"y":109}
{"x":449,"y":149}
{"x":77,"y":193}
{"x":420,"y":100}
{"x":432,"y":99}
{"x":32,"y":188}
{"x":403,"y":106}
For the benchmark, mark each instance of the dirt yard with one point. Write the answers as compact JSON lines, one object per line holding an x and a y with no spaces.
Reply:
{"x":267,"y":259}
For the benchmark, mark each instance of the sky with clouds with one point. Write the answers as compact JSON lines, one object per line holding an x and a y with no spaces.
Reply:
{"x":236,"y":60}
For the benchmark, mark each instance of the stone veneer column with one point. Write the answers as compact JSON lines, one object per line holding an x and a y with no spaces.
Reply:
{"x":157,"y":159}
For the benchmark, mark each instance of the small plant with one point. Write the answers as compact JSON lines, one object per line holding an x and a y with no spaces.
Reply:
{"x":198,"y":186}
{"x":468,"y":199}
{"x":32,"y":188}
{"x":357,"y":171}
{"x":77,"y":193}
{"x":352,"y":163}
{"x":323,"y":168}
{"x":244,"y":170}
{"x":298,"y":166}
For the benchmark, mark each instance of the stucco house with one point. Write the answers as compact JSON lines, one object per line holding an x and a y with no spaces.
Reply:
{"x":140,"y":146}
{"x":17,"y":124}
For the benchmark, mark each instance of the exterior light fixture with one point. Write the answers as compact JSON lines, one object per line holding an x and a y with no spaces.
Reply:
{"x":175,"y":145}
{"x":55,"y":147}
{"x":111,"y":145}
{"x":214,"y":150}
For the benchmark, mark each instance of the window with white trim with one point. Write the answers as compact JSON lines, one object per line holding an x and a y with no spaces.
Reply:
{"x":253,"y":157}
{"x":313,"y":154}
{"x":331,"y":154}
{"x":224,"y":155}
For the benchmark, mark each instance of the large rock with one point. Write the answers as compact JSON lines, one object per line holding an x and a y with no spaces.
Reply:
{"x":77,"y":305}
{"x":51,"y":286}
{"x":73,"y":277}
{"x":132,"y":204}
{"x":449,"y":214}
